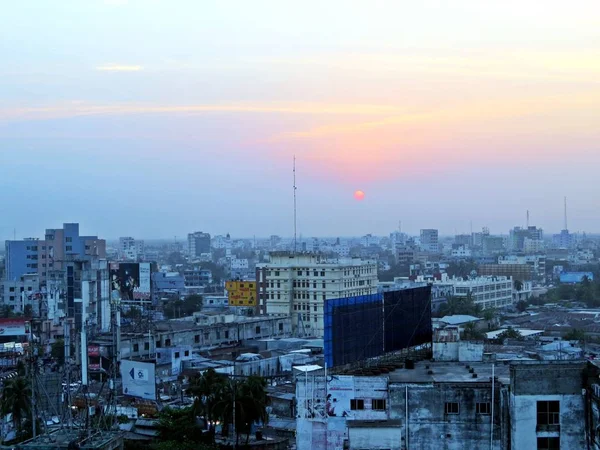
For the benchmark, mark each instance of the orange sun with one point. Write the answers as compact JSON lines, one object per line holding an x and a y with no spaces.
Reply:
{"x":359,"y":195}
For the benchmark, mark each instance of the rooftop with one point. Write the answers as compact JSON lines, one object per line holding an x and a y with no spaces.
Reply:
{"x":450,"y":372}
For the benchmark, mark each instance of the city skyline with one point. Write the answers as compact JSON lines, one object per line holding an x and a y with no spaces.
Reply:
{"x":146,"y":119}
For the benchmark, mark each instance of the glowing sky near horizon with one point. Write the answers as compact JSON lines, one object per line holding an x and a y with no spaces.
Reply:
{"x":156,"y":118}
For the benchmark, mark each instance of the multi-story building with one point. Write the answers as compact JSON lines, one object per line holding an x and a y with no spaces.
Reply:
{"x":197,"y":277}
{"x":17,"y":294}
{"x":297,"y":285}
{"x":198,"y":243}
{"x":521,"y":405}
{"x":487,"y":291}
{"x":430,"y":241}
{"x":221,"y":242}
{"x":43,"y":256}
{"x":518,"y":235}
{"x":562,"y":240}
{"x":131,"y":249}
{"x":536,"y":262}
{"x":492,"y":245}
{"x":521,"y":272}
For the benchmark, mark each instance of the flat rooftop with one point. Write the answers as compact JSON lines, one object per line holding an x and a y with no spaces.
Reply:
{"x":450,"y":372}
{"x":105,"y":440}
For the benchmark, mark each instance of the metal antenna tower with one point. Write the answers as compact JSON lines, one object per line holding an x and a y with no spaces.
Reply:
{"x":527,"y":218}
{"x":295,"y":223}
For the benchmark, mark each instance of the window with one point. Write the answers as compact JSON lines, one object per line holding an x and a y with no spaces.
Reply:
{"x":226,"y":334}
{"x":299,"y":273}
{"x":158,"y":345}
{"x":167,"y":342}
{"x":136,"y":347}
{"x":484,"y":408}
{"x":548,"y":413}
{"x":315,"y":307}
{"x":176,"y":354}
{"x":187,"y":353}
{"x":146,"y":346}
{"x":280,"y":327}
{"x":548,"y":443}
{"x":218,"y":334}
{"x":452,"y":408}
{"x":197,"y":339}
{"x":378,"y":404}
{"x":12,"y":289}
{"x":257,"y":330}
{"x":68,"y":239}
{"x":356,"y":404}
{"x":277,"y":273}
{"x":69,"y":248}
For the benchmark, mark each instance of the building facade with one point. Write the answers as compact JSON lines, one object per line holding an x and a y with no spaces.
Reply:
{"x":298,"y":285}
{"x":198,"y":243}
{"x":49,"y":254}
{"x":430,"y":241}
{"x":487,"y":291}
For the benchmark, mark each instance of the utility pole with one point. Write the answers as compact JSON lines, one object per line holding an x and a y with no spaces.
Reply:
{"x":32,"y":373}
{"x":295,"y":223}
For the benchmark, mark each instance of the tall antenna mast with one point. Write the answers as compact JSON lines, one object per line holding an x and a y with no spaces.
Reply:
{"x":295,"y":227}
{"x":566,"y":228}
{"x":527,"y":218}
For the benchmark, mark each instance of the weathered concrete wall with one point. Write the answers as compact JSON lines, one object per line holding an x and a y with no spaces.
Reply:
{"x":429,"y":427}
{"x":445,"y":351}
{"x":523,"y":410}
{"x":322,"y":415}
{"x":543,"y":378}
{"x":375,"y":438}
{"x":470,"y":351}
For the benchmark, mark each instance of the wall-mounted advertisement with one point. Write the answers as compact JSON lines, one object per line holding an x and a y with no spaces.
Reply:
{"x":139,"y":379}
{"x":131,"y":281}
{"x":13,"y":327}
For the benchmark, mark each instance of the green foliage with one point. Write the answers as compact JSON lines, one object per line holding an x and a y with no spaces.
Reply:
{"x":183,"y":308}
{"x":521,"y":305}
{"x":472,"y":333}
{"x":518,"y":285}
{"x":574,"y":335}
{"x":28,"y":311}
{"x":461,"y":269}
{"x":16,"y":400}
{"x":57,"y":351}
{"x":6,"y":312}
{"x":133,"y":313}
{"x":459,"y":305}
{"x":510,"y":333}
{"x":396,"y":270}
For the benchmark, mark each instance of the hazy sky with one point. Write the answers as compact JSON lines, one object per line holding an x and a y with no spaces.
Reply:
{"x":158,"y":118}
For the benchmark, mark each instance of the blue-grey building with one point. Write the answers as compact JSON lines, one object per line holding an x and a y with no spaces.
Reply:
{"x":43,"y":256}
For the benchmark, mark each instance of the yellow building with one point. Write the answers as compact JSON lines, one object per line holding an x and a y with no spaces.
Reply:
{"x":241,"y":293}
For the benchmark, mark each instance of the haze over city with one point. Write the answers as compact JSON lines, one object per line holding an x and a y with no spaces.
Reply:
{"x":153,"y":118}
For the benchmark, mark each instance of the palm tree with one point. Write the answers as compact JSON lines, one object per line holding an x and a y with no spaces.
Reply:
{"x":254,"y":398}
{"x":16,"y":400}
{"x":518,"y":285}
{"x":229,"y":407}
{"x":205,"y":388}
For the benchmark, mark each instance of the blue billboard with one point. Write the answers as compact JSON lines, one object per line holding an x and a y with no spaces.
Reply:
{"x":575,"y":277}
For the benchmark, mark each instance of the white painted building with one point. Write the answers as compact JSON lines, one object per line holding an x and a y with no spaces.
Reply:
{"x":461,"y":252}
{"x":487,"y":291}
{"x":130,"y":249}
{"x":536,"y":262}
{"x":298,"y":285}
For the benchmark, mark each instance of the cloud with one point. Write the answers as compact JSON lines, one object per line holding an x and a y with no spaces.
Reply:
{"x":119,"y":68}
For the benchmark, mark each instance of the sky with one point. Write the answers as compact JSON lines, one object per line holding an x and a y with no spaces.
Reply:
{"x":157,"y":118}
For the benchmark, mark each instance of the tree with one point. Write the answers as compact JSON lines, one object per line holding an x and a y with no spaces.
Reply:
{"x":518,"y":285}
{"x":28,"y":311}
{"x":183,"y":308}
{"x":510,"y":333}
{"x":57,"y":351}
{"x":16,"y":400}
{"x":575,"y":334}
{"x":521,"y":305}
{"x":250,"y":400}
{"x":459,"y":305}
{"x":205,"y":388}
{"x":471,"y":332}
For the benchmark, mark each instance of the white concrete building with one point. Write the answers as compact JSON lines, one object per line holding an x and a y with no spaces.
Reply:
{"x":536,"y":262}
{"x":298,"y":285}
{"x":461,"y":252}
{"x":487,"y":291}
